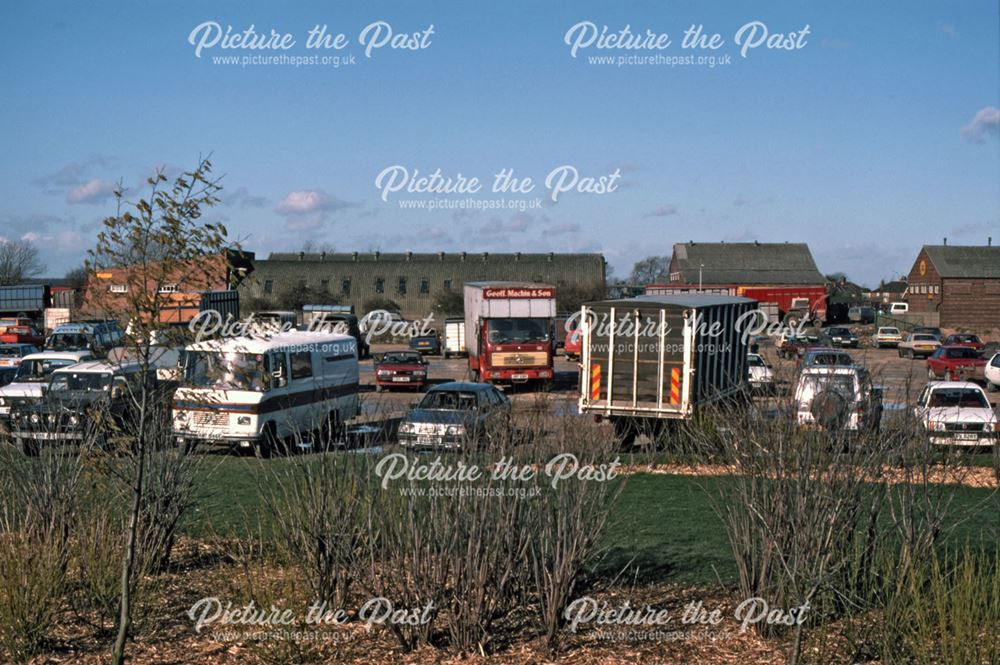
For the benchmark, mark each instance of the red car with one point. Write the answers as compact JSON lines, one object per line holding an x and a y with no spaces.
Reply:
{"x":955,"y":363}
{"x":571,"y":346}
{"x":20,"y":331}
{"x":964,"y":339}
{"x":400,"y":369}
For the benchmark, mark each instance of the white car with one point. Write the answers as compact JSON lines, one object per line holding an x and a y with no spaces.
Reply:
{"x":957,"y":413}
{"x":836,"y":398}
{"x":32,"y":374}
{"x":761,"y":375}
{"x":888,"y":336}
{"x":992,"y":371}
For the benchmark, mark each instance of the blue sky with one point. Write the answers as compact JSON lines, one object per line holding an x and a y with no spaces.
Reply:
{"x":878,"y":135}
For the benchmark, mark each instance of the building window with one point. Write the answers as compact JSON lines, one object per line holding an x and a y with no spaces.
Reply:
{"x":447,"y":285}
{"x":268,"y":286}
{"x":324,"y":285}
{"x":425,"y":286}
{"x":345,"y":286}
{"x":168,"y":288}
{"x":379,"y":285}
{"x":118,"y":288}
{"x":401,"y":286}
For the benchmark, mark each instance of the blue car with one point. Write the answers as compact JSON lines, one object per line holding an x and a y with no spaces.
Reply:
{"x":428,"y":345}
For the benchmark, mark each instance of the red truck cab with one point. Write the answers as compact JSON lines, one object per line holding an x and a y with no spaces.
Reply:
{"x":20,"y":331}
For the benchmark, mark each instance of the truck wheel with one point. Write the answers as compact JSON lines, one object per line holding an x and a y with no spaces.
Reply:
{"x":445,"y":355}
{"x":268,"y":442}
{"x":625,"y":432}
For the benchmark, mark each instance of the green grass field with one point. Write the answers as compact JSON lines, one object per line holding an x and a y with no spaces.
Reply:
{"x":663,"y":527}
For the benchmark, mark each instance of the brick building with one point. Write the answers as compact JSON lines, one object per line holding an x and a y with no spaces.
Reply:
{"x":959,"y":283}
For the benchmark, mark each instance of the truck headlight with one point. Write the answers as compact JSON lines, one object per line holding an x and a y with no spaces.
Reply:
{"x":455,"y":430}
{"x":243,"y":420}
{"x":74,"y":420}
{"x":180,"y":416}
{"x":406,"y":428}
{"x":34,"y":418}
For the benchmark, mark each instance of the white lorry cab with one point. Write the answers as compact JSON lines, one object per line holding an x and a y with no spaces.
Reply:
{"x":267,"y":394}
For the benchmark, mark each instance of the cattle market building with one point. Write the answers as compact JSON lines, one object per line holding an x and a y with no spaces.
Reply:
{"x":960,"y":284}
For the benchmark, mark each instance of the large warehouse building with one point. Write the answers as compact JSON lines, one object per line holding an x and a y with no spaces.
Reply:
{"x":412,"y":280}
{"x":961,"y":284}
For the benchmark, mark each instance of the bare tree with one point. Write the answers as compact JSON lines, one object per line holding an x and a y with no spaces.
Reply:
{"x":19,"y":260}
{"x":147,"y":245}
{"x":650,"y":270}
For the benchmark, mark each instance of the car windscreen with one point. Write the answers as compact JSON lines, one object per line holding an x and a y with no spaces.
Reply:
{"x":815,"y":383}
{"x":962,"y":353}
{"x":518,"y":330}
{"x":755,"y":361}
{"x":965,"y":339}
{"x":450,"y":400}
{"x":39,"y":368}
{"x":79,"y":381}
{"x":68,"y":342}
{"x":401,"y":358}
{"x":224,"y":371}
{"x":11,"y":351}
{"x":831,"y":359}
{"x":889,"y":331}
{"x":924,"y":338}
{"x":968,"y":398}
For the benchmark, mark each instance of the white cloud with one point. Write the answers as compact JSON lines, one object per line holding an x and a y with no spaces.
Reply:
{"x":986,"y":121}
{"x":662,"y":211}
{"x":92,"y":191}
{"x":308,"y":201}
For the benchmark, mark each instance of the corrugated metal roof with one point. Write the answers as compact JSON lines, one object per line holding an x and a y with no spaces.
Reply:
{"x":745,"y":263}
{"x":680,"y":300}
{"x":968,"y":261}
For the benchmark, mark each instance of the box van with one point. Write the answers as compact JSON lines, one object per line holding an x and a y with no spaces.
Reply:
{"x":899,"y":308}
{"x":264,"y":393}
{"x":97,"y":337}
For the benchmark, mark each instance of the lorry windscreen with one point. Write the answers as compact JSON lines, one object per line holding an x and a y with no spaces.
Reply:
{"x":224,"y":371}
{"x":38,"y":369}
{"x":517,"y":330}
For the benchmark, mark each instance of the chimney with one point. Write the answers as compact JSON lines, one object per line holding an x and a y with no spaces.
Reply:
{"x":322,"y":256}
{"x":409,"y":256}
{"x":486,"y":255}
{"x":354,"y":256}
{"x":945,"y":242}
{"x":552,"y":255}
{"x":302,"y":255}
{"x":377,"y":254}
{"x":989,"y":241}
{"x":463,"y":256}
{"x":440,"y":256}
{"x":517,"y":256}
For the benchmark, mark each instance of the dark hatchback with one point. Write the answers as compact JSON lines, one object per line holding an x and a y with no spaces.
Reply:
{"x":456,"y":415}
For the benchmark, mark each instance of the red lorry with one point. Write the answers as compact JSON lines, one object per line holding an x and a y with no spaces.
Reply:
{"x":509,"y":330}
{"x":789,"y":304}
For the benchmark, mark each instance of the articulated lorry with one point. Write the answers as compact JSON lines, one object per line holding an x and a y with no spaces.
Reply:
{"x":509,"y":331}
{"x":651,"y":360}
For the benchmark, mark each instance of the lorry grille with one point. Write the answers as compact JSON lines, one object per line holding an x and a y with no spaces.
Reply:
{"x":210,"y":418}
{"x":521,"y":359}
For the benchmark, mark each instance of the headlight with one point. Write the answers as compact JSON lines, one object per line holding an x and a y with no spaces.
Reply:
{"x":34,"y":418}
{"x":51,"y":419}
{"x":243,"y":420}
{"x":406,"y":427}
{"x":419,"y":373}
{"x":455,"y":430}
{"x":2,"y":402}
{"x":384,"y":372}
{"x":74,"y":421}
{"x":180,"y":416}
{"x":993,"y":426}
{"x":936,"y":426}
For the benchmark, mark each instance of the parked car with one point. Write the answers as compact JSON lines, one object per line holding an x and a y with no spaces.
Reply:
{"x":957,"y":413}
{"x":400,"y":369}
{"x":965,"y":339}
{"x":74,"y":398}
{"x":825,"y":357}
{"x":888,"y":336}
{"x":11,"y":354}
{"x":861,"y":314}
{"x":918,"y":344}
{"x":838,"y":336}
{"x":992,"y":373}
{"x":454,"y":337}
{"x":455,"y":415}
{"x":837,"y":398}
{"x":955,"y":363}
{"x":97,"y":337}
{"x":898,"y":308}
{"x":794,"y":346}
{"x":20,"y":331}
{"x":572,"y":344}
{"x":929,"y":330}
{"x":32,"y":376}
{"x":429,"y":344}
{"x":761,"y":374}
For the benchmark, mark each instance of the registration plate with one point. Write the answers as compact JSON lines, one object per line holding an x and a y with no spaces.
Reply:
{"x":967,"y":436}
{"x":425,"y":439}
{"x":401,"y":379}
{"x":519,"y":377}
{"x":4,"y":409}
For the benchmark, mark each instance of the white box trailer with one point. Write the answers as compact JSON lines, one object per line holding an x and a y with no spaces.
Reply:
{"x":454,"y":338}
{"x":652,"y":359}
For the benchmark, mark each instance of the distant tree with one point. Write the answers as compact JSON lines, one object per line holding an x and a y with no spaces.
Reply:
{"x":449,"y":303}
{"x":19,"y":261}
{"x":570,"y":297}
{"x":76,"y":277}
{"x":313,"y":247}
{"x":650,"y":270}
{"x":297,"y":296}
{"x":380,"y":303}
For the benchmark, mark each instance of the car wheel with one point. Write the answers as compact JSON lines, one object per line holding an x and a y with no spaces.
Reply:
{"x":899,"y":352}
{"x":379,"y":388}
{"x":910,"y":354}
